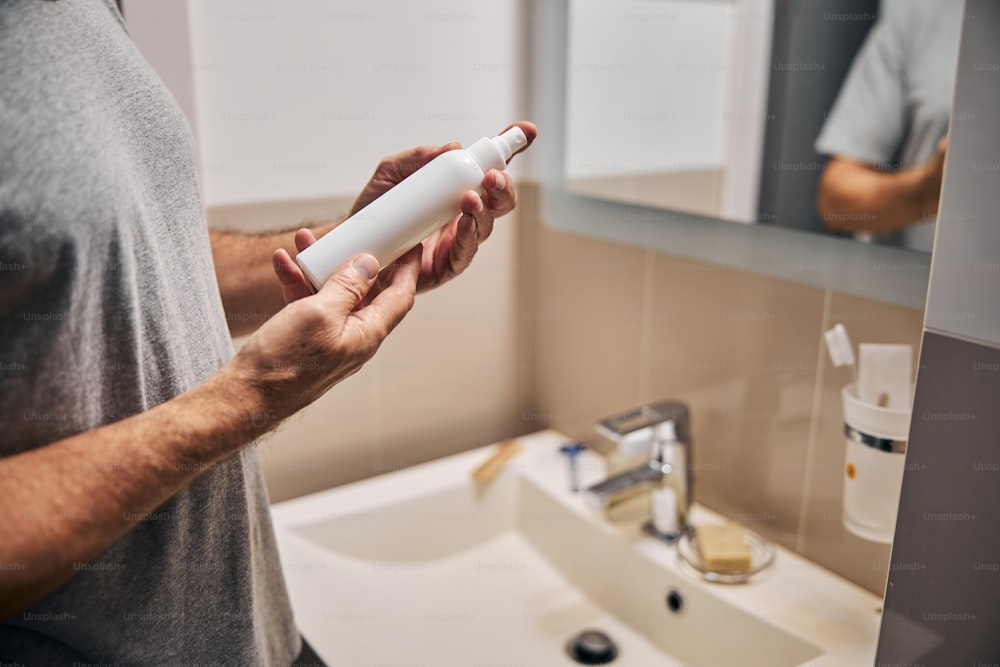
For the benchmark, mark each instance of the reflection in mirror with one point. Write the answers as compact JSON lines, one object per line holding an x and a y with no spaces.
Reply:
{"x":821,"y":115}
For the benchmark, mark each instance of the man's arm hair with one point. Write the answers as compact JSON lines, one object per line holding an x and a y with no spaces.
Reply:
{"x":67,"y":502}
{"x":244,"y":272}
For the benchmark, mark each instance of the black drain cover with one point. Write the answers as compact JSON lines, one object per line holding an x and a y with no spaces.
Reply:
{"x":592,"y":647}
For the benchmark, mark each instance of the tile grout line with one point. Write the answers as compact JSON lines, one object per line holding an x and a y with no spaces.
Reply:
{"x":645,"y":327}
{"x":800,"y":537}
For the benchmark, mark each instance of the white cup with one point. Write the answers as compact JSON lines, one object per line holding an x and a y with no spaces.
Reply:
{"x":875,"y":440}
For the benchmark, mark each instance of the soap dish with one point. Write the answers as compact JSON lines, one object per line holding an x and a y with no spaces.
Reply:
{"x":761,"y":557}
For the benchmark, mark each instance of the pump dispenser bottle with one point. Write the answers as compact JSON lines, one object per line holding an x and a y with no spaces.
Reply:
{"x":413,"y":209}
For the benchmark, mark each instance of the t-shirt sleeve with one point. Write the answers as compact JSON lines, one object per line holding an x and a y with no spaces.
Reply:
{"x":868,"y":119}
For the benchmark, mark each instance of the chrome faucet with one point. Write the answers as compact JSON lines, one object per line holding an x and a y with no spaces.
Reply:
{"x":666,"y":478}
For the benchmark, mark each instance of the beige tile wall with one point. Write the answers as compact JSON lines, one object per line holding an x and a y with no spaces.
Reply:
{"x":615,"y":326}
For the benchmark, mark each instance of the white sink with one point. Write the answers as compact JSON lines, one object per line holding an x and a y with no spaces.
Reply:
{"x":424,"y":567}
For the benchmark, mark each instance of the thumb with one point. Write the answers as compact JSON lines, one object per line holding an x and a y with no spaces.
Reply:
{"x":347,"y":286}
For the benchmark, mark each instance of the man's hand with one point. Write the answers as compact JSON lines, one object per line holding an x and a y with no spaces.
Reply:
{"x":933,"y":173}
{"x":319,"y":339}
{"x":448,"y":251}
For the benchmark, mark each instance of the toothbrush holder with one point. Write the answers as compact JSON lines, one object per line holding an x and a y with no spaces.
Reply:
{"x":875,"y":445}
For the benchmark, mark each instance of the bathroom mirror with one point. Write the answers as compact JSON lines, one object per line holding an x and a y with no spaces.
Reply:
{"x":628,"y":163}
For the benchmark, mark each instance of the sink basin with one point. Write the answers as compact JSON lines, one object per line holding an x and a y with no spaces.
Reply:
{"x":424,"y":567}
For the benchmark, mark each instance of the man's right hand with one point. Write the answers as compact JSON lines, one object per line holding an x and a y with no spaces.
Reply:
{"x":319,"y":339}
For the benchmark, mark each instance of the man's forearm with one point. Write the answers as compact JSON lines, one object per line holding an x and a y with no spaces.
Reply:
{"x":67,"y":502}
{"x":855,"y":198}
{"x":250,"y":292}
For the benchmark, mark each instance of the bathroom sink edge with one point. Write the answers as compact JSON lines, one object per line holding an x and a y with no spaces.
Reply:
{"x":846,"y":630}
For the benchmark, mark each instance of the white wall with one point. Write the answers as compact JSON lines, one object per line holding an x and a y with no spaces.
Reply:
{"x":161,"y":31}
{"x":301,"y":99}
{"x":646,"y":86}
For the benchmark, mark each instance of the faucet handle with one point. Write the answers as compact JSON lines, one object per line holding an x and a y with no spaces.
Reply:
{"x":622,"y":425}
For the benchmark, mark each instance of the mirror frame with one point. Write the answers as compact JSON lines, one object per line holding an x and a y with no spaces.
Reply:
{"x":881,"y":273}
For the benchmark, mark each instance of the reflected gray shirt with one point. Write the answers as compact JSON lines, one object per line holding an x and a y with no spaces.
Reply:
{"x":109,"y":307}
{"x":895,"y":104}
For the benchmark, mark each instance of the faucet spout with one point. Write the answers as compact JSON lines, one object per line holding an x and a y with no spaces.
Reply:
{"x":619,"y":489}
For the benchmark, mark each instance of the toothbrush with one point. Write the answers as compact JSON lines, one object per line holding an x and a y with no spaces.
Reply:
{"x":838,"y":344}
{"x":572,"y":450}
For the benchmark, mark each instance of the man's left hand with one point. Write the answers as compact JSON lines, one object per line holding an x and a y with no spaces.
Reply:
{"x":448,"y":251}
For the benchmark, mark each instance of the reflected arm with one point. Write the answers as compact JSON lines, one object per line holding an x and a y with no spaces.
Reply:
{"x":856,"y":197}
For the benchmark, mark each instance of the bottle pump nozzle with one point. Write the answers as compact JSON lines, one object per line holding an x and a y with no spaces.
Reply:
{"x":512,"y":141}
{"x":496,"y":152}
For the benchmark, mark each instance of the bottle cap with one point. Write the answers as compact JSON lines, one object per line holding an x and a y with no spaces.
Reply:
{"x":495,"y":152}
{"x":511,"y":142}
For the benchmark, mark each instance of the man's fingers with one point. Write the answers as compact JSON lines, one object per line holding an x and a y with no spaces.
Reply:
{"x":396,"y":298}
{"x":464,"y":247}
{"x":303,"y":239}
{"x":473,"y":205}
{"x":294,"y":284}
{"x":394,"y":168}
{"x":400,"y":165}
{"x":500,"y":192}
{"x":285,"y":268}
{"x":348,"y":285}
{"x":942,"y":147}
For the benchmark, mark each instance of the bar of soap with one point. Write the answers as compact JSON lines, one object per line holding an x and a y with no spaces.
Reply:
{"x":723,"y":548}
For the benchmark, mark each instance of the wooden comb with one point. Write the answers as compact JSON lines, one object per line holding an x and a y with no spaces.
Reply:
{"x":492,"y":466}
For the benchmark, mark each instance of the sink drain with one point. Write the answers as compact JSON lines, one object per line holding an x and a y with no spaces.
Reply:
{"x":592,"y":647}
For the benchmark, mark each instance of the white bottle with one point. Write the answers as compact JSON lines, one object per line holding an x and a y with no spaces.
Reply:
{"x":413,"y":209}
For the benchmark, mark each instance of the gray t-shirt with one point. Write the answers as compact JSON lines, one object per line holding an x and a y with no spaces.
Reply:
{"x":108,"y":307}
{"x":895,"y":104}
